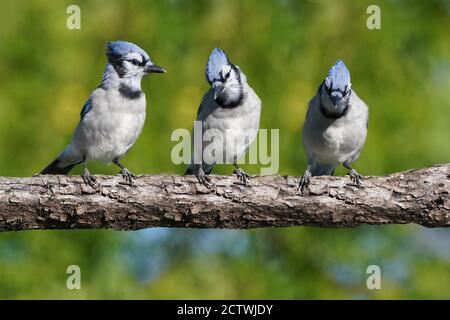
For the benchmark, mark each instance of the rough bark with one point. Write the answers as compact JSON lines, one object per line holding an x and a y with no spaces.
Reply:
{"x":65,"y":202}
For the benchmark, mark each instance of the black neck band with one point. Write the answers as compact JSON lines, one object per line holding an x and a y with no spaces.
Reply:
{"x":333,"y":116}
{"x":330,"y":115}
{"x":129,"y":93}
{"x":325,"y":112}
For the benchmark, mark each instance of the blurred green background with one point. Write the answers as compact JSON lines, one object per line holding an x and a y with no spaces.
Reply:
{"x":285,"y":47}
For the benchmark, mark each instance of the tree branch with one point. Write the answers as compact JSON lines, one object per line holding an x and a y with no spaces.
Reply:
{"x":65,"y":202}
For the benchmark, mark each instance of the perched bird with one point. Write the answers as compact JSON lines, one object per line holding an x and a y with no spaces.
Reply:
{"x":335,"y":128}
{"x":229,"y":114}
{"x":113,"y":116}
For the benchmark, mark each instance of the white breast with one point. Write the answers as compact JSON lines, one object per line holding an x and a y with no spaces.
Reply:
{"x":111,"y":127}
{"x":335,"y":141}
{"x":234,"y":129}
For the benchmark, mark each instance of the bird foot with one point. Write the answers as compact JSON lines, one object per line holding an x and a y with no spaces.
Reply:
{"x":89,"y":180}
{"x":356,"y":177}
{"x":128,"y":176}
{"x":304,"y":182}
{"x":205,"y":180}
{"x":243,"y":177}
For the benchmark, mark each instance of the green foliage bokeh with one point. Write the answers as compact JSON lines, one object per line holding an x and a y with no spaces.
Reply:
{"x":285,"y":47}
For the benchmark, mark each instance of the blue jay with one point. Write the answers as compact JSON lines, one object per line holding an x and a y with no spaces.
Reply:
{"x":113,"y":116}
{"x":230,"y":110}
{"x":335,"y":128}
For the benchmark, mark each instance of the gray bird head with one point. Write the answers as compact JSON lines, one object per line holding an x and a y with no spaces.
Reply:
{"x":225,"y":79}
{"x":129,"y":60}
{"x":336,"y":89}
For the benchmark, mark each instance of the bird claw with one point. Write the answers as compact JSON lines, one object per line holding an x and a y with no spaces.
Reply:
{"x":128,"y":176}
{"x":205,"y":180}
{"x":89,"y":180}
{"x":356,"y":177}
{"x":304,"y":182}
{"x":243,"y":177}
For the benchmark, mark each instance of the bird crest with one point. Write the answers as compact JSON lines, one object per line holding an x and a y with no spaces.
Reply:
{"x":217,"y":60}
{"x":338,"y":77}
{"x":117,"y":50}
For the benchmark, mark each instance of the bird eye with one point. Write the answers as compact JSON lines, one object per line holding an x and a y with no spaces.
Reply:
{"x":227,"y":76}
{"x":135,"y":62}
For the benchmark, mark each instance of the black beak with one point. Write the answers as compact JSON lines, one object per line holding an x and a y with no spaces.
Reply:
{"x":217,"y":91}
{"x":154,"y":69}
{"x":336,"y":100}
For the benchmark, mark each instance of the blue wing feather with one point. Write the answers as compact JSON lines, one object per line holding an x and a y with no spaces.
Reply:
{"x":87,"y":106}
